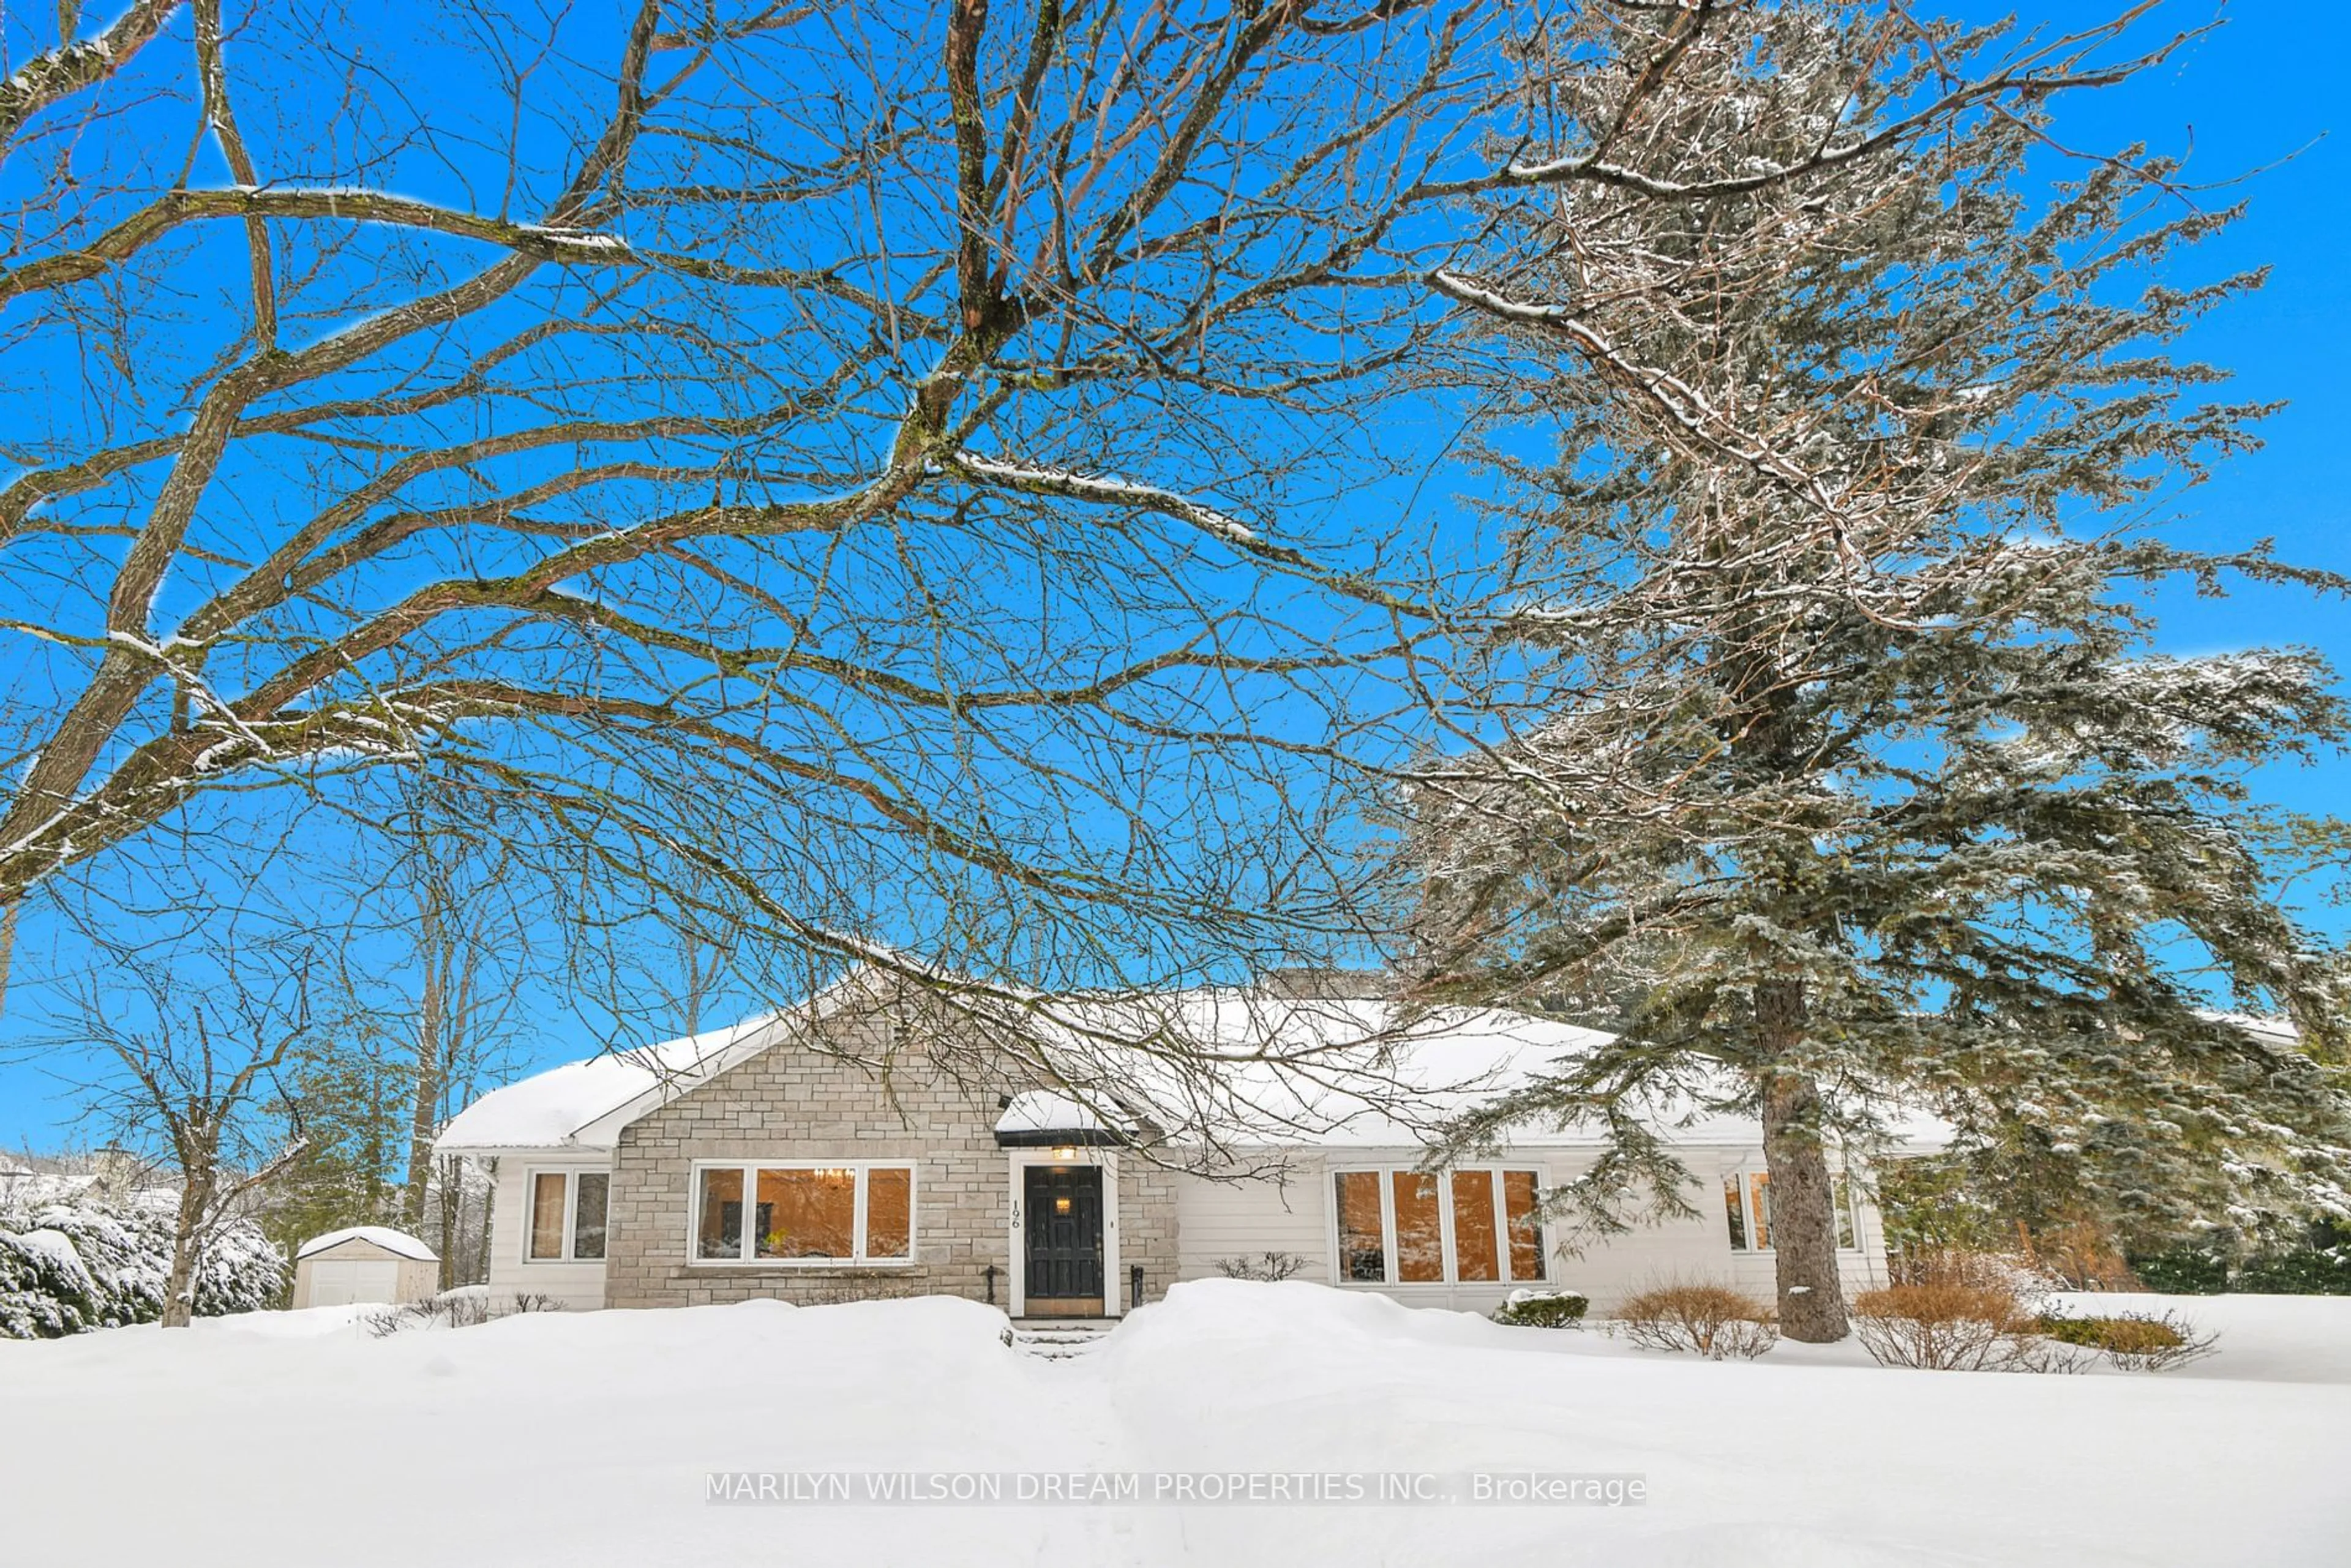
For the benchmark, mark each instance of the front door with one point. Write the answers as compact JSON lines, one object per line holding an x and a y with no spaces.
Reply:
{"x":1062,"y":1225}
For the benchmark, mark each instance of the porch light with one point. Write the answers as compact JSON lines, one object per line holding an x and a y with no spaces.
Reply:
{"x":1065,"y":1154}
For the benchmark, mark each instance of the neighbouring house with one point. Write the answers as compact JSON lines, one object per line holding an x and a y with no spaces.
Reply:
{"x":857,"y":1144}
{"x":365,"y":1263}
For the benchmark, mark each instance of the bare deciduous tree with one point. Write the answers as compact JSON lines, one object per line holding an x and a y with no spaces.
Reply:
{"x":902,"y":483}
{"x":182,"y":1072}
{"x":761,"y":477}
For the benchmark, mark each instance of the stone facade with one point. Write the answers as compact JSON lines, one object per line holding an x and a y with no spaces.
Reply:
{"x":855,"y":1093}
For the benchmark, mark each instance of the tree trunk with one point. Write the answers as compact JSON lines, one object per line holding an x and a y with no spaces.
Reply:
{"x":7,"y":944}
{"x":482,"y":1238}
{"x":1804,"y":1194}
{"x":452,"y":1193}
{"x":187,"y":1251}
{"x":431,"y":1056}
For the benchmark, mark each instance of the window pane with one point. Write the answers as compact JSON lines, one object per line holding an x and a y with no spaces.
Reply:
{"x":546,"y":1214}
{"x":1526,"y":1225}
{"x":1759,"y":1189}
{"x":1845,"y":1212}
{"x":722,"y":1215}
{"x":1734,"y":1205}
{"x":1362,"y":1254}
{"x":889,"y":1212}
{"x":807,"y":1213}
{"x":1420,"y":1243}
{"x":1477,"y":1253}
{"x":588,"y":1215}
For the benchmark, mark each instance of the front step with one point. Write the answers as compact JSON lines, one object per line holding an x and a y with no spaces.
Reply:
{"x":1060,"y":1339}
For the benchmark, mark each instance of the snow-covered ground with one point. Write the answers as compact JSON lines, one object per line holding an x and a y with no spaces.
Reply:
{"x":586,"y":1440}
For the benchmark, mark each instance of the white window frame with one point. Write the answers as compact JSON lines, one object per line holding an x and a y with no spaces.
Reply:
{"x":748,"y":1245}
{"x":1444,"y":1178}
{"x":570,"y":1174}
{"x":1850,"y":1214}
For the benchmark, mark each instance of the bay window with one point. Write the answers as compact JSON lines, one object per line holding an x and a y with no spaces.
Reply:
{"x":1416,"y":1228}
{"x":776,"y":1213}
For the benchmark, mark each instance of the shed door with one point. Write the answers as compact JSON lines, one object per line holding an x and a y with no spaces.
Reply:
{"x":339,"y":1281}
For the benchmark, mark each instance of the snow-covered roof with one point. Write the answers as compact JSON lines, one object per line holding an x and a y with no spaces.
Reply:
{"x":1284,"y":1071}
{"x":31,"y":1188}
{"x":550,"y":1109}
{"x":1044,"y":1111}
{"x":1324,"y":1070}
{"x":2274,"y":1031}
{"x":390,"y":1241}
{"x":1358,"y":1072}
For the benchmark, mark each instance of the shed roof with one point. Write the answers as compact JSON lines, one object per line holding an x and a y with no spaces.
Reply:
{"x":390,"y":1241}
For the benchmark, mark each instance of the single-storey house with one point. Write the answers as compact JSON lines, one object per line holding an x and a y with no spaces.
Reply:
{"x":364,"y":1263}
{"x":837,"y":1149}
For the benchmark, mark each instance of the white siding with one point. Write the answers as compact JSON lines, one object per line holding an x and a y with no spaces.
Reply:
{"x":1246,"y":1218}
{"x":576,"y":1287}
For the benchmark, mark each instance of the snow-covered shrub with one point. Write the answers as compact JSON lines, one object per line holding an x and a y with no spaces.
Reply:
{"x":1544,"y":1309}
{"x":1268,"y":1266}
{"x":466,"y":1306}
{"x":242,"y":1272}
{"x":2319,"y":1264}
{"x":45,"y":1291}
{"x":2136,"y":1341}
{"x":2082,"y":1256}
{"x":69,"y":1268}
{"x":2183,"y":1272}
{"x":1713,"y":1320}
{"x":1944,"y":1325}
{"x":1985,"y":1270}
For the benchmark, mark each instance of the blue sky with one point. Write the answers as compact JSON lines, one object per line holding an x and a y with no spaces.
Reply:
{"x":2264,"y":91}
{"x":2254,"y":95}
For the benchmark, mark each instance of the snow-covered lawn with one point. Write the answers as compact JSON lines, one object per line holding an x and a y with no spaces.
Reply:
{"x":587,"y":1438}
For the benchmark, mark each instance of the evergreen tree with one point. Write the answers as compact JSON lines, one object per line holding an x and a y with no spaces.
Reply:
{"x":1823,"y":747}
{"x":346,"y":1096}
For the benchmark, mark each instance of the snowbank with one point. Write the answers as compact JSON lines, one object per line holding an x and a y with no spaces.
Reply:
{"x":563,"y":1440}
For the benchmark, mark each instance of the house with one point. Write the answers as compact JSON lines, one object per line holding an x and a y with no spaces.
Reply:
{"x":861,"y":1144}
{"x":364,"y":1263}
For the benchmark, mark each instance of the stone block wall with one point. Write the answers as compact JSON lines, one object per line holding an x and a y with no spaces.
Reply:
{"x":857,"y":1093}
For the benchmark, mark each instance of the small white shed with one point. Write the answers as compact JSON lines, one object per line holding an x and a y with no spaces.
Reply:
{"x":364,"y":1263}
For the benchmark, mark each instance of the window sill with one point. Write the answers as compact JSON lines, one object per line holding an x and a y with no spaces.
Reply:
{"x":797,"y":1266}
{"x":1442,"y":1284}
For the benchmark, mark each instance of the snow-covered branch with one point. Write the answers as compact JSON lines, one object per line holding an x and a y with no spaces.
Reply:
{"x":1036,"y":479}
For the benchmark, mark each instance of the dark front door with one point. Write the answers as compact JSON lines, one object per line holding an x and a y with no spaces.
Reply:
{"x":1062,"y":1221}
